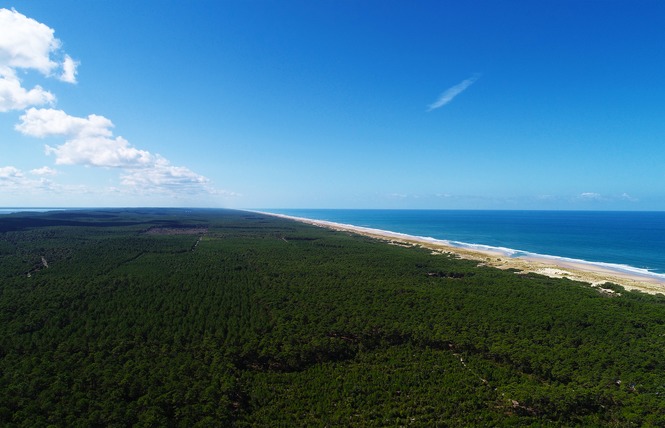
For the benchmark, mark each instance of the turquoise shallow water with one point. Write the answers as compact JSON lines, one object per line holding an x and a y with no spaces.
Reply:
{"x":630,"y":240}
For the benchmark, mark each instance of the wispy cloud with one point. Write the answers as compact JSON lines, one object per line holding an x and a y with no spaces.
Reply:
{"x":449,"y":94}
{"x":627,"y":197}
{"x":591,"y":196}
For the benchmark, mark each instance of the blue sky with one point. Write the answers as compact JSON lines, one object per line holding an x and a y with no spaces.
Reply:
{"x":333,"y":104}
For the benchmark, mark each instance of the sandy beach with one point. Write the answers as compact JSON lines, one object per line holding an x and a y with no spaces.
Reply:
{"x":555,"y":267}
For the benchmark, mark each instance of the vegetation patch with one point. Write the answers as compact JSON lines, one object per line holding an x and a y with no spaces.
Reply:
{"x":267,"y":322}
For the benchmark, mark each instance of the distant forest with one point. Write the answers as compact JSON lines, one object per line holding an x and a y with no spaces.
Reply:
{"x":207,"y":318}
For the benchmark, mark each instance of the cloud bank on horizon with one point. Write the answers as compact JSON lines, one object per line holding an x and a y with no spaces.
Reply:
{"x":28,"y":45}
{"x":449,"y":94}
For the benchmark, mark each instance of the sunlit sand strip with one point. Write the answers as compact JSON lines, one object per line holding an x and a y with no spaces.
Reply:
{"x":554,"y":267}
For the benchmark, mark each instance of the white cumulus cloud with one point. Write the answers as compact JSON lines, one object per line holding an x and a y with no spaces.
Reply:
{"x":163,"y":175}
{"x":69,"y":70}
{"x":45,"y":170}
{"x":10,"y":173}
{"x":449,"y":94}
{"x":89,"y":140}
{"x":48,"y":122}
{"x":100,"y":151}
{"x":30,"y":45}
{"x":25,"y":45}
{"x":15,"y":97}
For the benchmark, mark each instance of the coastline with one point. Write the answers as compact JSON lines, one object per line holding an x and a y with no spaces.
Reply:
{"x":594,"y":274}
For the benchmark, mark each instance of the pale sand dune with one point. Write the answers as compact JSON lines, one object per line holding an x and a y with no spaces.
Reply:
{"x":543,"y":265}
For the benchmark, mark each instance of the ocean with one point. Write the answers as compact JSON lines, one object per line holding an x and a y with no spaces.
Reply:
{"x":624,"y":240}
{"x":20,"y":210}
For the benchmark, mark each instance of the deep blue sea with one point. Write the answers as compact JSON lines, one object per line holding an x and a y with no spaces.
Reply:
{"x":626,"y":238}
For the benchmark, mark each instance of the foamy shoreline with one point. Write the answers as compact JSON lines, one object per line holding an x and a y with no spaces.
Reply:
{"x":506,"y":258}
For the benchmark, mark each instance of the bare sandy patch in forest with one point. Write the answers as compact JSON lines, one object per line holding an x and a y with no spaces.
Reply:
{"x":177,"y":231}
